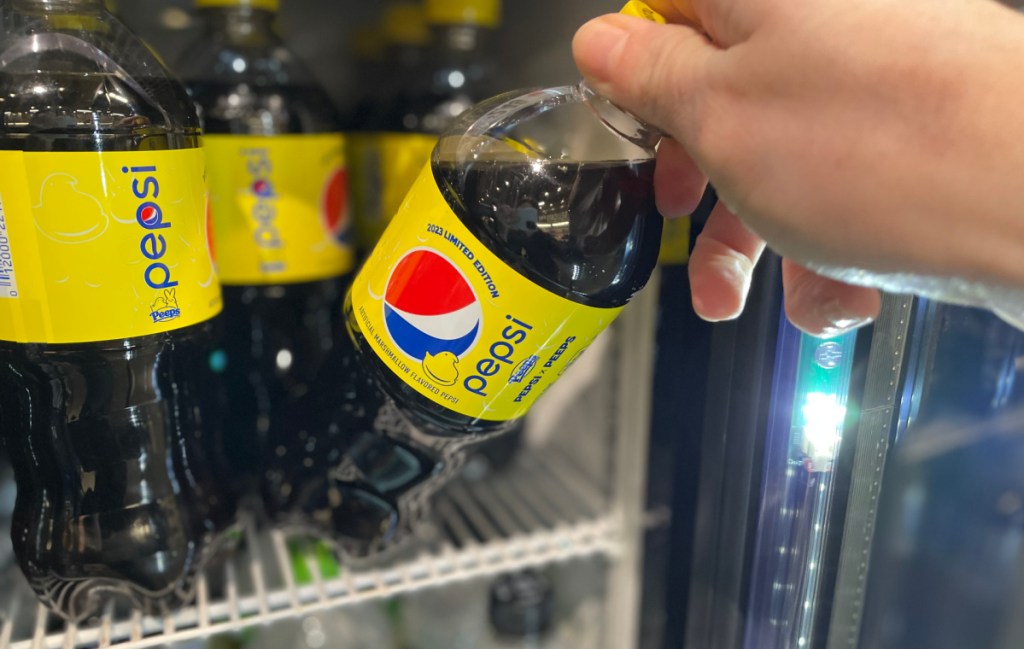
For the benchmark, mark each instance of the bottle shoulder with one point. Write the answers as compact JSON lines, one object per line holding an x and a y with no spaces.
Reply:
{"x":85,"y":87}
{"x":260,"y":89}
{"x":550,"y":188}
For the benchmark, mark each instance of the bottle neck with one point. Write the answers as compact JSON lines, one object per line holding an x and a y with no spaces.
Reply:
{"x":467,"y":39}
{"x":241,"y":24}
{"x":406,"y":56}
{"x":623,"y":122}
{"x":60,"y":6}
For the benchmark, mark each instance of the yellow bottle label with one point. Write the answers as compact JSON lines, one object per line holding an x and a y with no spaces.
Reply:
{"x":279,"y":206}
{"x":384,"y":167}
{"x":103,"y":246}
{"x":459,"y":325}
{"x":675,"y":242}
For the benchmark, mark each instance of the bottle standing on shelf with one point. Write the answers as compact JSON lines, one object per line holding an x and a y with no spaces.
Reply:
{"x":453,"y":73}
{"x":459,"y":72}
{"x":521,"y":611}
{"x":515,"y":610}
{"x":367,"y":89}
{"x":278,"y":205}
{"x":525,"y":236}
{"x":108,"y":296}
{"x":406,"y":36}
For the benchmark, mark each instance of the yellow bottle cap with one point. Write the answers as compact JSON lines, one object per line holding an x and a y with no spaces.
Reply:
{"x":485,"y":13}
{"x":656,"y":10}
{"x":269,"y":5}
{"x":642,"y":10}
{"x":405,"y":24}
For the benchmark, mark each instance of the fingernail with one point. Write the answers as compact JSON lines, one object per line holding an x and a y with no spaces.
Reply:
{"x":737,"y":271}
{"x":720,"y":288}
{"x":699,"y":307}
{"x":599,"y":45}
{"x":837,"y":318}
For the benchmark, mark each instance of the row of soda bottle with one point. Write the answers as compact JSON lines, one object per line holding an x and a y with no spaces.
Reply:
{"x":171,"y":343}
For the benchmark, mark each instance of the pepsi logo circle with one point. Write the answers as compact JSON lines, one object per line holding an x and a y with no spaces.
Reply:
{"x":150,"y":214}
{"x":262,"y":188}
{"x":430,"y":307}
{"x":334,"y":203}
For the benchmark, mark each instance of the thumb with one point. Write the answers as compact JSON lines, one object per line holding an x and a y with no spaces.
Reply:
{"x":657,"y":72}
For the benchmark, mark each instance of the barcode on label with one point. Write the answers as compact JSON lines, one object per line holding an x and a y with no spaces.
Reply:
{"x":8,"y":280}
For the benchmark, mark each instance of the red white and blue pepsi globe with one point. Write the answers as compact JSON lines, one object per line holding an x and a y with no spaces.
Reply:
{"x":429,"y":306}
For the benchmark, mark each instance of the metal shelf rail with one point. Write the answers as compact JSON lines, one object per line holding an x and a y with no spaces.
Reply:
{"x":541,"y":511}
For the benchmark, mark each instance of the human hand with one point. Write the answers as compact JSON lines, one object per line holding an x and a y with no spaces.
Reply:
{"x":875,"y":142}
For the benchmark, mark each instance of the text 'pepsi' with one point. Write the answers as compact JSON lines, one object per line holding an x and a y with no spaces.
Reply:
{"x":278,"y":205}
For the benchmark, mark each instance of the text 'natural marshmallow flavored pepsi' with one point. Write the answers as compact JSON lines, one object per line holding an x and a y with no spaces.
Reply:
{"x":108,"y":407}
{"x":279,"y":209}
{"x":520,"y":242}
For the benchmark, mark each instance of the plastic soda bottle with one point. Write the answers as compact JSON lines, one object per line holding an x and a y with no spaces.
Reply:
{"x":522,"y":239}
{"x":279,"y":208}
{"x":108,"y":298}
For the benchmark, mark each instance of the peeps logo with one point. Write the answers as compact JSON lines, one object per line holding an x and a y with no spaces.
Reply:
{"x":165,"y":307}
{"x":520,"y":371}
{"x":430,"y":308}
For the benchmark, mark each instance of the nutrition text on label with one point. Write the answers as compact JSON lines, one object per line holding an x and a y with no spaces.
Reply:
{"x":8,"y":279}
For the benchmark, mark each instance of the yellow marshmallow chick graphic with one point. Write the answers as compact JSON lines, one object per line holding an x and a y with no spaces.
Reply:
{"x":441,"y":368}
{"x":80,"y":217}
{"x":77,"y":215}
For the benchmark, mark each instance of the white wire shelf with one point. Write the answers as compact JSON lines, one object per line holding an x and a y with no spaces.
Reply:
{"x":543,"y":510}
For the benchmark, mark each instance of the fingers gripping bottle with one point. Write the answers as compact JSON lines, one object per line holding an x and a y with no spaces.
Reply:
{"x":278,"y":204}
{"x":107,"y":295}
{"x":525,"y":236}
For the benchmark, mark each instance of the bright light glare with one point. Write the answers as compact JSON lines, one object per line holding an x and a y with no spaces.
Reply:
{"x":284,"y":359}
{"x":823,"y":420}
{"x":456,"y":79}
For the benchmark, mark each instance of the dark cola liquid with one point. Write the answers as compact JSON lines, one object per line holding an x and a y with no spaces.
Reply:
{"x":115,"y":461}
{"x":277,"y":337}
{"x":349,"y":467}
{"x":588,"y":232}
{"x":115,"y":444}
